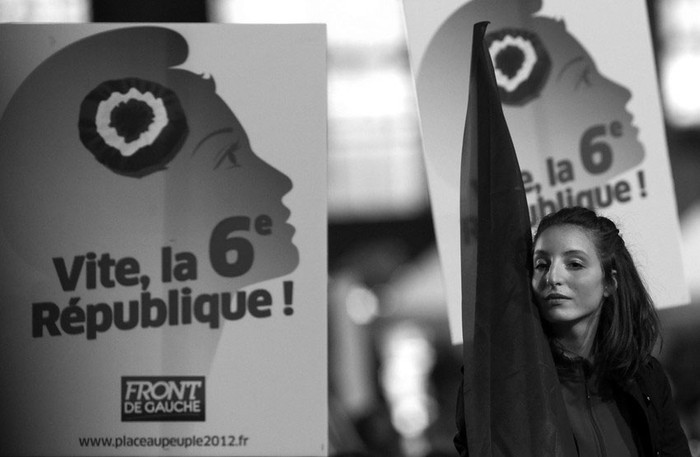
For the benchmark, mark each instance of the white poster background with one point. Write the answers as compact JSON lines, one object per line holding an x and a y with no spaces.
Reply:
{"x":617,"y":37}
{"x":266,"y":378}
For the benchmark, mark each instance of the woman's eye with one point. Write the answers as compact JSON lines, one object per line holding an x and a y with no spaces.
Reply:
{"x":541,"y":265}
{"x":575,"y":265}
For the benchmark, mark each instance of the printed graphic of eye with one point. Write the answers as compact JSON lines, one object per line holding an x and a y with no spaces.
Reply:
{"x":578,"y":72}
{"x":132,"y":126}
{"x":584,"y":78}
{"x":521,"y":64}
{"x":225,"y":156}
{"x":228,"y":156}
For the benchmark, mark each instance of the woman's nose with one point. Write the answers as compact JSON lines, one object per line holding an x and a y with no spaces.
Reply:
{"x":552,"y":277}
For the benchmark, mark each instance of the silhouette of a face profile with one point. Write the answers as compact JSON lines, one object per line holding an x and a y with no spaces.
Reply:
{"x":555,"y":100}
{"x":125,"y":154}
{"x":577,"y":105}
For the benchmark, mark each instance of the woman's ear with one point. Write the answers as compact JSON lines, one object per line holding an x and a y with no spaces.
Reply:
{"x":612,"y":286}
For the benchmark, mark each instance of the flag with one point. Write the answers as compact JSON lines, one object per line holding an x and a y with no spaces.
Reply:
{"x":512,"y":402}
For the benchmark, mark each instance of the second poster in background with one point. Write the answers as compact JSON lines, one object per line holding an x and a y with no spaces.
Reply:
{"x":579,"y":93}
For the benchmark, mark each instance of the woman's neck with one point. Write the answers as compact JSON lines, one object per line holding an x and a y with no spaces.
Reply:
{"x":577,"y":337}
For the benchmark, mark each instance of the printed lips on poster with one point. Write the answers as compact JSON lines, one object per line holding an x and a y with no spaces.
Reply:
{"x":578,"y":88}
{"x":163,"y":198}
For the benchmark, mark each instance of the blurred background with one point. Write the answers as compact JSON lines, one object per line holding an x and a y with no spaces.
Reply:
{"x":393,"y":370}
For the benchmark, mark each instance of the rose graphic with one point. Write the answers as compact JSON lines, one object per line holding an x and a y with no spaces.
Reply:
{"x":132,"y":126}
{"x":521,"y":64}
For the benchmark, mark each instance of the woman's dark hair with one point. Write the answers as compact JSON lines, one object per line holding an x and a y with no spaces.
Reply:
{"x":628,"y":326}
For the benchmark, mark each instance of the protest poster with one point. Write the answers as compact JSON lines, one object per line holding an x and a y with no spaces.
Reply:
{"x":163,"y":239}
{"x":580,"y":96}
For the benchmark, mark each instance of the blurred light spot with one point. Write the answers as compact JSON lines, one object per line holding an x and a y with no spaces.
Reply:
{"x":679,"y":57}
{"x":681,"y":88}
{"x":408,"y":359}
{"x":362,"y":305}
{"x":45,"y":10}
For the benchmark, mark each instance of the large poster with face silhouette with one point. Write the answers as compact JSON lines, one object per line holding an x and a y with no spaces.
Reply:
{"x":162,"y":230}
{"x":578,"y":88}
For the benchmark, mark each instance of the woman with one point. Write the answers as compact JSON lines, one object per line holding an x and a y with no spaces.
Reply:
{"x":602,"y":328}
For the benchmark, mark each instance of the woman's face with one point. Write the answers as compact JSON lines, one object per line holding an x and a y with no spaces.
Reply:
{"x":568,"y":279}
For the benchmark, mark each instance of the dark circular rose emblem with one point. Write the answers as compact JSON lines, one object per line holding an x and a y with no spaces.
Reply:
{"x":132,"y":126}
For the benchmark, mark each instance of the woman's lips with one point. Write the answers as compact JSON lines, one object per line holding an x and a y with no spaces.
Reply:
{"x":556,"y":296}
{"x":555,"y":299}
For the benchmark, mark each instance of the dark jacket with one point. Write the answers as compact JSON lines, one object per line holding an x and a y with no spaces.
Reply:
{"x":647,"y":406}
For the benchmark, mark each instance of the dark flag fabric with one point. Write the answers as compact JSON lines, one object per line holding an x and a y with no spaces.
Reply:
{"x":512,"y":402}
